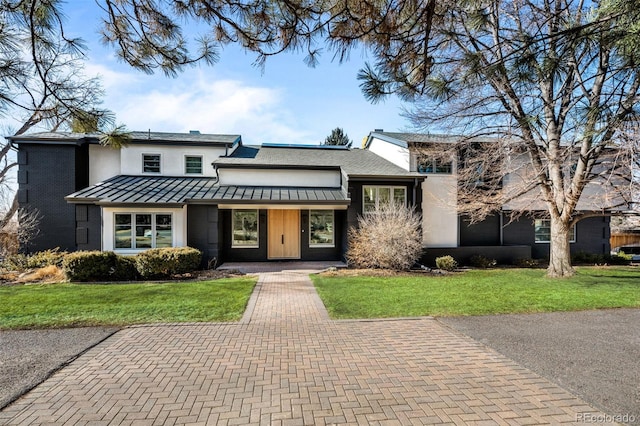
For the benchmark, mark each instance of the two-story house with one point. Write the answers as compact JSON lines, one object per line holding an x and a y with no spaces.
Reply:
{"x":237,"y":202}
{"x":447,"y":232}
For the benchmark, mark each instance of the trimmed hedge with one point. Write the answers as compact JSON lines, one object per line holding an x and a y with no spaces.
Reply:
{"x":109,"y":266}
{"x":89,"y":265}
{"x":166,"y":262}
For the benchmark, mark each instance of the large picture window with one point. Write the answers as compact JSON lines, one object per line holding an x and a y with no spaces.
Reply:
{"x":151,"y":163}
{"x":143,"y":230}
{"x":375,"y":196}
{"x":245,"y":229}
{"x":542,"y":231}
{"x":321,"y":228}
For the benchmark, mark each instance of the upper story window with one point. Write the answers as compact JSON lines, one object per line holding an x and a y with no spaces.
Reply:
{"x":542,"y":231}
{"x":151,"y":163}
{"x":430,"y":165}
{"x":193,"y":164}
{"x":374,"y":196}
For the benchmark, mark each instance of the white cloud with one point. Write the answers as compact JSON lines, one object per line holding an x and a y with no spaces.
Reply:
{"x":197,"y":102}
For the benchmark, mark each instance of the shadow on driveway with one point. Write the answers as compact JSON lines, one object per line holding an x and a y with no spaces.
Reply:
{"x":594,"y":354}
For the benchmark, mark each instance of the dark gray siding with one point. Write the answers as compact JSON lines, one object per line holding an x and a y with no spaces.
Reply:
{"x":48,"y":173}
{"x":592,"y":236}
{"x":230,"y":254}
{"x":322,"y":253}
{"x":203,"y":232}
{"x":88,"y":227}
{"x":485,"y":233}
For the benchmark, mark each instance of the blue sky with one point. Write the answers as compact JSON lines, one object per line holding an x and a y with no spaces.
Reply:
{"x":287,"y":102}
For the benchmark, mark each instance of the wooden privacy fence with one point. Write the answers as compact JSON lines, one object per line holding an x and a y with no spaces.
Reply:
{"x":624,"y":239}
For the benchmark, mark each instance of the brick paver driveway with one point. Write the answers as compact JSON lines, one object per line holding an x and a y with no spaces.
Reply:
{"x":287,"y":363}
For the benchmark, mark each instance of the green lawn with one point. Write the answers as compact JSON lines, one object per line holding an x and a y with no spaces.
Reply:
{"x":67,"y":305}
{"x":477,"y":292}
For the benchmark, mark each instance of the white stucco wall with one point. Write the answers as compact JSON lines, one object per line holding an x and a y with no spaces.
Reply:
{"x":439,"y":212}
{"x":390,"y":152}
{"x":178,"y":222}
{"x":171,"y":158}
{"x":104,"y":162}
{"x":280,"y":177}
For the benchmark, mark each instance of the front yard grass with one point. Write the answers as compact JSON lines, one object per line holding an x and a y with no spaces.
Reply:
{"x":477,"y":292}
{"x":74,"y":305}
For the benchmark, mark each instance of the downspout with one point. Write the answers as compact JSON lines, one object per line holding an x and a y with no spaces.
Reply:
{"x":501,"y":228}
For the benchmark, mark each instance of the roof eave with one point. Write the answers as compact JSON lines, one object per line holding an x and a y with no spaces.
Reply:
{"x":272,"y":166}
{"x":385,"y":138}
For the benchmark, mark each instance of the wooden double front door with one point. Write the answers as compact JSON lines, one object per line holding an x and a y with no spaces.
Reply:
{"x":283,"y":234}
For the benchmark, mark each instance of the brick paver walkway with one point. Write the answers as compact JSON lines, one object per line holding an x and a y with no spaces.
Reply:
{"x":286,"y":363}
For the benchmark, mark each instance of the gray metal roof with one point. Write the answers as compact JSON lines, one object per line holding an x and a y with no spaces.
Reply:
{"x":136,"y":138}
{"x":180,"y":190}
{"x":354,"y":162}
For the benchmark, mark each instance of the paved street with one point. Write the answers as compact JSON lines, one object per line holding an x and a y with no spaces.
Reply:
{"x":286,"y":363}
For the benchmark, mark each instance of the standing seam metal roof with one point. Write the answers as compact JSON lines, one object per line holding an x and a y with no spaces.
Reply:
{"x":180,"y":190}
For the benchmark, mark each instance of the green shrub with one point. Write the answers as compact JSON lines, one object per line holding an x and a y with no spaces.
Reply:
{"x":527,"y":262}
{"x":125,"y":269}
{"x":22,"y":262}
{"x":585,"y":258}
{"x":619,"y":259}
{"x":480,"y":261}
{"x":99,"y":266}
{"x":166,"y":262}
{"x":90,"y":265}
{"x":446,"y":263}
{"x":624,"y":255}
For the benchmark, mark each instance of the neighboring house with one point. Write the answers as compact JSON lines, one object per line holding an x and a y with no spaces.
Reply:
{"x":231,"y":201}
{"x":446,"y":232}
{"x":242,"y":203}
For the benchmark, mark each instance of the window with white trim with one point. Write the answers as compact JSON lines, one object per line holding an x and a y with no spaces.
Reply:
{"x":542,"y":231}
{"x":193,"y":164}
{"x":245,"y":229}
{"x":151,"y":163}
{"x":142,"y":230}
{"x":321,"y":228}
{"x":374,"y":196}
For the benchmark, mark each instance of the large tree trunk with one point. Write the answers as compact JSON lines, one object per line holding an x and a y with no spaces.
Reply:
{"x":559,"y":249}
